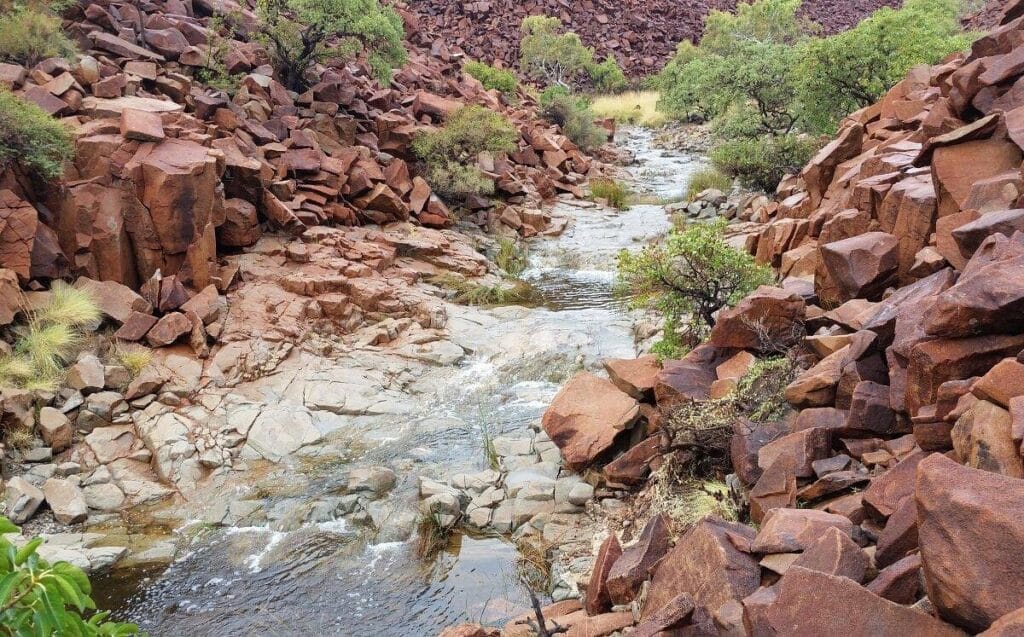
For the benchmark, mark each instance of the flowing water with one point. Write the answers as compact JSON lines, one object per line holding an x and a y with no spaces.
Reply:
{"x":313,"y":569}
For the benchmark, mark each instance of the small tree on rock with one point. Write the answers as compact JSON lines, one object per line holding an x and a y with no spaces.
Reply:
{"x":301,"y":32}
{"x":688,"y":277}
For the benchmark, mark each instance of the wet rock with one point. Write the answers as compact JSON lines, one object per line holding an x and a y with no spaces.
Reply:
{"x":376,"y":480}
{"x":281,"y":431}
{"x":966,"y":520}
{"x":586,"y":416}
{"x":813,"y":603}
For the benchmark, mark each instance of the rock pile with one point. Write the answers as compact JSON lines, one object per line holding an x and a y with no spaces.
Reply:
{"x":887,"y":499}
{"x":640,"y":34}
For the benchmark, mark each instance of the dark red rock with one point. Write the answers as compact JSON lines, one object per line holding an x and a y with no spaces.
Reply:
{"x":633,"y":568}
{"x":836,"y":554}
{"x":899,"y":582}
{"x":597,"y":600}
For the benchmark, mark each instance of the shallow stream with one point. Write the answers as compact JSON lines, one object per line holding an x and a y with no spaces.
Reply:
{"x":311,"y":570}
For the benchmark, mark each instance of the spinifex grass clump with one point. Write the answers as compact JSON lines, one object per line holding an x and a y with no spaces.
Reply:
{"x":46,"y":341}
{"x":612,"y":191}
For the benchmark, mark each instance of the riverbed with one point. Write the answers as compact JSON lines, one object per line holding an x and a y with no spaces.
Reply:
{"x":304,"y":561}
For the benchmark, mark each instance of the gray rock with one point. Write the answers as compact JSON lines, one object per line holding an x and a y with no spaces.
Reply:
{"x":23,"y":499}
{"x":55,"y":428}
{"x":479,"y":517}
{"x":580,"y":494}
{"x":376,"y":480}
{"x":103,"y":497}
{"x":86,"y":375}
{"x":37,"y":454}
{"x":66,"y":500}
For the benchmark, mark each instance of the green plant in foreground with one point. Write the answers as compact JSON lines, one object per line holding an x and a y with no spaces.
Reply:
{"x":615,"y":192}
{"x":31,"y":138}
{"x":689,"y":276}
{"x":707,"y":178}
{"x":46,"y":341}
{"x":39,"y":598}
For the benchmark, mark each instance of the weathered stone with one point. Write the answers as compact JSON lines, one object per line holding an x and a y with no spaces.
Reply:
{"x":22,"y":500}
{"x":55,"y":428}
{"x":66,"y":501}
{"x":636,"y":376}
{"x":858,"y":267}
{"x":706,"y":564}
{"x":789,"y":530}
{"x":597,"y":600}
{"x":813,"y":603}
{"x":967,"y":519}
{"x":802,"y":447}
{"x":983,"y":439}
{"x":900,"y":581}
{"x":168,"y":329}
{"x":586,"y":416}
{"x":763,"y":321}
{"x":633,"y":568}
{"x":835,"y":553}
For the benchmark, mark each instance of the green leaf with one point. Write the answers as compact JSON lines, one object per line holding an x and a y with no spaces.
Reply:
{"x":68,"y":590}
{"x":6,"y":526}
{"x":27,"y":550}
{"x":9,"y":583}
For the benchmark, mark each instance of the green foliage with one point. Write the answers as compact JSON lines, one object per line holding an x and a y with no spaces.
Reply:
{"x":547,"y":55}
{"x":707,"y":178}
{"x":39,"y":598}
{"x":574,"y":117}
{"x":512,"y":256}
{"x":449,"y":153}
{"x":850,"y":70}
{"x":760,"y":394}
{"x":31,"y":138}
{"x":477,"y":294}
{"x":552,"y":93}
{"x":45,"y":343}
{"x":607,"y":77}
{"x":302,"y":32}
{"x":214,"y":71}
{"x":761,"y":162}
{"x":29,"y":35}
{"x":492,"y":77}
{"x":614,"y":192}
{"x":688,"y":277}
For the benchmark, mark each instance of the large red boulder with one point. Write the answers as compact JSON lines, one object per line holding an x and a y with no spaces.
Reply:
{"x":706,"y":564}
{"x":765,"y":320}
{"x":814,"y":603}
{"x":586,"y":416}
{"x":858,"y":267}
{"x":972,"y":541}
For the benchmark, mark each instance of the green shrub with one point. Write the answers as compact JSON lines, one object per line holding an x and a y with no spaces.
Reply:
{"x":707,"y":178}
{"x":550,"y":56}
{"x":574,"y":117}
{"x":551,"y":93}
{"x":688,"y":277}
{"x":39,"y":598}
{"x":31,"y":138}
{"x":30,"y":35}
{"x":512,"y":256}
{"x":614,"y":192}
{"x":853,"y":69}
{"x":214,"y":72}
{"x":47,"y":340}
{"x":492,"y":77}
{"x":762,"y":162}
{"x":299,"y":33}
{"x":449,"y":153}
{"x":607,"y":77}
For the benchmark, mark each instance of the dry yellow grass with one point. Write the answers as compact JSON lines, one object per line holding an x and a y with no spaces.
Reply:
{"x":632,"y":107}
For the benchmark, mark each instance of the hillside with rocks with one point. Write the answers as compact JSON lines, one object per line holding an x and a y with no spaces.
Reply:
{"x":886,"y":501}
{"x":640,"y":35}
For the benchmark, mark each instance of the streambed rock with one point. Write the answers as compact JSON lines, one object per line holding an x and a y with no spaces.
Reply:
{"x":586,"y":416}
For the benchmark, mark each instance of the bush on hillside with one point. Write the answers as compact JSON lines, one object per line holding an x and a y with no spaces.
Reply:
{"x":688,"y":277}
{"x":29,"y":35}
{"x":546,"y":54}
{"x":492,"y":77}
{"x":449,"y":153}
{"x":299,"y":33}
{"x":607,"y":77}
{"x":762,"y":162}
{"x":31,"y":138}
{"x":850,"y":70}
{"x":574,"y":117}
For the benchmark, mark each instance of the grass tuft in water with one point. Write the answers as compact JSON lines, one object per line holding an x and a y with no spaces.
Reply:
{"x":512,"y":256}
{"x":491,"y":458}
{"x":469,"y":293}
{"x":616,"y":193}
{"x":431,"y":535}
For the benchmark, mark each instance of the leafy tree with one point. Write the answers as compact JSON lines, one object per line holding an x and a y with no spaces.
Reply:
{"x":762,"y":162}
{"x":688,"y":277}
{"x":607,"y":77}
{"x":449,"y":153}
{"x":39,"y":598}
{"x":574,"y":117}
{"x":31,"y":138}
{"x":850,"y":70}
{"x":550,"y":56}
{"x":492,"y":77}
{"x":301,"y":32}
